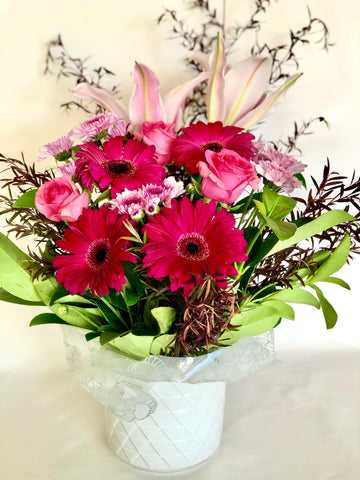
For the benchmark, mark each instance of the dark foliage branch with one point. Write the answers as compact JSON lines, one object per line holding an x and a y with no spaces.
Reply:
{"x":299,"y":130}
{"x":60,"y":62}
{"x":333,"y":192}
{"x":24,"y":222}
{"x":284,"y":56}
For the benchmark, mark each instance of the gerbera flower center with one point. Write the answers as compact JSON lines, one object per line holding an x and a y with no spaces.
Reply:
{"x":193,"y":246}
{"x":121,"y":167}
{"x":214,"y":146}
{"x":98,"y":254}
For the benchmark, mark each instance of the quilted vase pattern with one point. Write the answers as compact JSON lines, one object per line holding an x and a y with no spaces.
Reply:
{"x":167,"y":426}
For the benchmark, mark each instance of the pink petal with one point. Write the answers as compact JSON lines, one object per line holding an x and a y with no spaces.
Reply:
{"x":245,"y":84}
{"x":201,"y":58}
{"x":248,"y":120}
{"x":215,"y":96}
{"x":102,"y":96}
{"x":145,"y":102}
{"x":175,"y":99}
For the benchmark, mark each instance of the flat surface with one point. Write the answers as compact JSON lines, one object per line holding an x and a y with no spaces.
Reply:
{"x":298,"y":420}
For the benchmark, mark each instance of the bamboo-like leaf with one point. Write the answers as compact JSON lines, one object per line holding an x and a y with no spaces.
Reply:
{"x":329,"y":312}
{"x":296,"y":295}
{"x":336,"y":260}
{"x":46,"y":318}
{"x":318,"y":225}
{"x":7,"y":297}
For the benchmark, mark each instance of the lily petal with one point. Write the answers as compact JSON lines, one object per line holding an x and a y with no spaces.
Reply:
{"x":253,"y":116}
{"x":201,"y":58}
{"x":215,"y":97}
{"x":103,"y":97}
{"x":245,"y":84}
{"x":145,"y":103}
{"x":174,"y":101}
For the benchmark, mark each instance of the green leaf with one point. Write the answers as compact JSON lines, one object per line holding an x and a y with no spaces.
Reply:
{"x":140,"y":328}
{"x":14,"y":276}
{"x":319,"y":224}
{"x":297,"y":295}
{"x":91,"y":335}
{"x":75,"y":299}
{"x":284,"y":310}
{"x":337,"y":281}
{"x":300,"y":177}
{"x":46,"y":289}
{"x":253,"y":321}
{"x":336,"y":260}
{"x":133,"y":277}
{"x":7,"y":297}
{"x":45,"y":318}
{"x":116,"y":299}
{"x":283,"y":230}
{"x":27,"y":200}
{"x":130,"y":296}
{"x":160,"y":344}
{"x":134,"y":346}
{"x":329,"y":312}
{"x":165,"y":317}
{"x":107,"y":337}
{"x":80,"y":317}
{"x":277,"y":206}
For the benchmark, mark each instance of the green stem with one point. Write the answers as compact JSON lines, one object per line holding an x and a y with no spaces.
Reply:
{"x":246,"y":207}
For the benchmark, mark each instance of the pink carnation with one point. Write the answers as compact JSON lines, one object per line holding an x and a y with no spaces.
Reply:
{"x":59,"y":199}
{"x":279,"y":168}
{"x":52,"y":149}
{"x":96,"y":125}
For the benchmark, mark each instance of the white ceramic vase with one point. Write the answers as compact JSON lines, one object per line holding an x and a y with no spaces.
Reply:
{"x":166,"y":426}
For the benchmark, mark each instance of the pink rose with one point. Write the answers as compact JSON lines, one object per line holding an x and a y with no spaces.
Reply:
{"x":59,"y":199}
{"x":161,"y":135}
{"x":226,"y":175}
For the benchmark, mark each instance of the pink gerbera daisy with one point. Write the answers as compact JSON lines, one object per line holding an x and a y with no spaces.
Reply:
{"x":97,"y":248}
{"x":186,"y":242}
{"x":130,"y":166}
{"x":190,"y":147}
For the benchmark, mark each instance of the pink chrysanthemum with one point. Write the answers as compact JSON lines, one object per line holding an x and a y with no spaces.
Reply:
{"x":131,"y":202}
{"x":118,"y":130}
{"x":279,"y":168}
{"x":53,"y":149}
{"x":130,"y":166}
{"x":96,"y":251}
{"x":186,"y":242}
{"x":68,"y":169}
{"x":96,"y":125}
{"x":190,"y":147}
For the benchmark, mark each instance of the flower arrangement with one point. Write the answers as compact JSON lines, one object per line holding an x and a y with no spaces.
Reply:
{"x":159,"y":237}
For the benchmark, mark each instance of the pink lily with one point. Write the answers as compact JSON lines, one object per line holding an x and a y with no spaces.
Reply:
{"x":146,"y":104}
{"x":238,"y":96}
